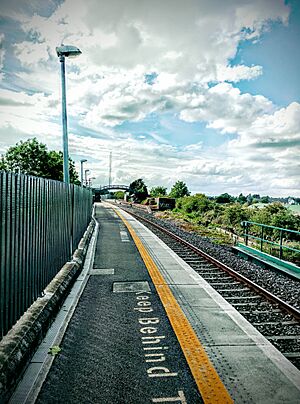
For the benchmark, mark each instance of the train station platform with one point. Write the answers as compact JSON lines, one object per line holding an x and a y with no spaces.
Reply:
{"x":140,"y":326}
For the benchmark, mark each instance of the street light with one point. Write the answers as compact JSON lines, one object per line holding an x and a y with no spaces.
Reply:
{"x":90,"y":181}
{"x":64,"y":51}
{"x":81,"y":170}
{"x":85,"y":176}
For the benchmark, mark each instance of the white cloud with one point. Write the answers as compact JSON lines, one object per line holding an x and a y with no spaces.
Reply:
{"x":269,"y":148}
{"x":29,"y":116}
{"x":191,"y":44}
{"x":237,"y":73}
{"x":188,"y":45}
{"x":225,"y":108}
{"x":2,"y":54}
{"x":184,"y":37}
{"x":277,"y":132}
{"x":255,"y":15}
{"x":284,"y":122}
{"x":28,"y":53}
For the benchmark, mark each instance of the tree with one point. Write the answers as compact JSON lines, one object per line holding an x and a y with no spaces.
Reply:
{"x":198,"y":204}
{"x":2,"y":164}
{"x":119,"y":195}
{"x":33,"y":158}
{"x":241,"y":199}
{"x":249,"y":199}
{"x":233,"y":216}
{"x":179,"y":190}
{"x":158,"y":191}
{"x":224,"y":198}
{"x":265,"y":199}
{"x":138,"y":190}
{"x":275,"y":214}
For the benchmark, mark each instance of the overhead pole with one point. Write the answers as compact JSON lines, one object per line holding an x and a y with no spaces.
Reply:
{"x":109,"y":173}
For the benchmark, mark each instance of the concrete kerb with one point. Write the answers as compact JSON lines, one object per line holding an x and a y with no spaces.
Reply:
{"x":19,"y":344}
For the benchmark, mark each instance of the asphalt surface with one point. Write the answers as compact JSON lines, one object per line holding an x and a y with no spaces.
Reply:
{"x":119,"y":346}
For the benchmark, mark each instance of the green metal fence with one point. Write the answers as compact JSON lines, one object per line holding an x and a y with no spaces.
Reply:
{"x":277,"y":241}
{"x":41,"y":223}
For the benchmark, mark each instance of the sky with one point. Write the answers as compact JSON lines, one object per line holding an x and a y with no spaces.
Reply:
{"x":202,"y":91}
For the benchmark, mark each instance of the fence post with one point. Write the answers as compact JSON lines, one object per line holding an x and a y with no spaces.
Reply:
{"x":246,"y":224}
{"x":261,"y":238}
{"x":280,"y":246}
{"x":3,"y":178}
{"x":72,"y":196}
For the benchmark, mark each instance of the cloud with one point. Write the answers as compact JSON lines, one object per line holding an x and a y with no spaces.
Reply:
{"x":277,"y":131}
{"x":17,"y":9}
{"x":35,"y":115}
{"x":270,"y":149}
{"x":123,"y":42}
{"x":28,"y":53}
{"x":2,"y":54}
{"x":123,"y":96}
{"x":225,"y":108}
{"x":237,"y":73}
{"x":285,"y":122}
{"x":190,"y":40}
{"x":142,"y":58}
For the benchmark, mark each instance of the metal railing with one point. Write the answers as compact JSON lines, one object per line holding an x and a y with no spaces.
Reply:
{"x":265,"y":234}
{"x":41,"y":223}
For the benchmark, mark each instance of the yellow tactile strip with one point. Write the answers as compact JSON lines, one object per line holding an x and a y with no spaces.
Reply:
{"x":207,"y":379}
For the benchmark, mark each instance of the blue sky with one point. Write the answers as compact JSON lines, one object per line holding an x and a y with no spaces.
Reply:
{"x":207,"y":92}
{"x":278,"y":52}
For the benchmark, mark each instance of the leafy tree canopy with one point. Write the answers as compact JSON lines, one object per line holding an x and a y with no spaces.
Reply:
{"x":179,"y":190}
{"x":224,"y":198}
{"x":158,"y":191}
{"x":241,"y":199}
{"x":119,"y":195}
{"x":33,"y":158}
{"x":265,"y":199}
{"x":2,"y":164}
{"x":138,"y":190}
{"x":233,"y":215}
{"x":198,"y":203}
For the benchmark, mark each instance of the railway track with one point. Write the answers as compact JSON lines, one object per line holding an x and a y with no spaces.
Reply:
{"x":276,"y":319}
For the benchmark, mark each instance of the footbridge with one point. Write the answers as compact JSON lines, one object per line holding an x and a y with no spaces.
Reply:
{"x":102,"y":190}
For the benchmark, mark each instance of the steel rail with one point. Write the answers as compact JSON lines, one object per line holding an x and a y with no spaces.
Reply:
{"x":268,"y":295}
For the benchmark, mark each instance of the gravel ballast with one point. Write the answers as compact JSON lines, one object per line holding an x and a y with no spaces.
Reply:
{"x":279,"y":284}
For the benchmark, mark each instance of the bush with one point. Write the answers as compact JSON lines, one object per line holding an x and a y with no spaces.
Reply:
{"x":196,"y":204}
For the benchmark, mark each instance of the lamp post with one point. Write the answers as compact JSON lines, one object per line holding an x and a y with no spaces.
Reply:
{"x":85,"y":176}
{"x":81,"y":170}
{"x":90,"y":181}
{"x":64,"y":51}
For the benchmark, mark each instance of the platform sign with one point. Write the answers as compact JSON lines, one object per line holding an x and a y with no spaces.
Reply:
{"x":165,"y":203}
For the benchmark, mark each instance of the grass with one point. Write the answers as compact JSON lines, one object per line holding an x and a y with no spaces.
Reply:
{"x":180,"y":220}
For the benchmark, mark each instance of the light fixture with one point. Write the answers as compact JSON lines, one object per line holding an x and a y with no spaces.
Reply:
{"x":64,"y":51}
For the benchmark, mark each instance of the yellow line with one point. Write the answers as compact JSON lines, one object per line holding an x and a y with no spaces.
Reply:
{"x":207,"y":379}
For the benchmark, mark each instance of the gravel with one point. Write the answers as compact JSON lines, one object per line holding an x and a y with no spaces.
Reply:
{"x":279,"y":284}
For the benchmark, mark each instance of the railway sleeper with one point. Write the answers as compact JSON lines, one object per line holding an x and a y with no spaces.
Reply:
{"x":283,"y":337}
{"x":232,"y":290}
{"x":281,"y":323}
{"x":291,"y":355}
{"x":243,"y":297}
